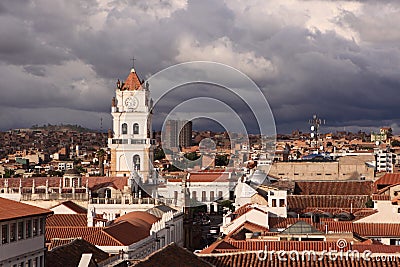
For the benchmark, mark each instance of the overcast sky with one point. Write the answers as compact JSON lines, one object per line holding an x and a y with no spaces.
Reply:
{"x":60,"y":59}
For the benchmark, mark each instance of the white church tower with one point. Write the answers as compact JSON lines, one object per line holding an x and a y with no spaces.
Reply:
{"x":130,"y":141}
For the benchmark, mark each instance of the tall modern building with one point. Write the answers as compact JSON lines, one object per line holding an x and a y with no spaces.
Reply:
{"x":177,"y":133}
{"x":130,"y":141}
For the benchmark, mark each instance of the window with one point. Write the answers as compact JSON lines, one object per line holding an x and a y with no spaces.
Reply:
{"x":28,"y":228}
{"x":35,"y":227}
{"x":66,"y":182}
{"x":4,"y":233}
{"x":42,"y":225}
{"x":203,"y":196}
{"x":21,"y":228}
{"x":220,"y":194}
{"x":211,"y":195}
{"x":13,"y":232}
{"x":194,"y":195}
{"x":136,"y":162}
{"x":124,"y":128}
{"x":274,"y":203}
{"x":281,"y":203}
{"x":136,"y":128}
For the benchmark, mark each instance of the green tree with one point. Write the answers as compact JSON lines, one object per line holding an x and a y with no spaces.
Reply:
{"x":159,"y":153}
{"x":192,"y":156}
{"x":222,"y":160}
{"x":369,"y":204}
{"x":8,"y":173}
{"x":395,"y":143}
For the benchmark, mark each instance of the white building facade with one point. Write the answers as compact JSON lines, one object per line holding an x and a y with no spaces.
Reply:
{"x":22,"y":231}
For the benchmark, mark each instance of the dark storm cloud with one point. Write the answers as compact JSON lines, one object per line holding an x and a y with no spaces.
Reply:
{"x":60,"y":59}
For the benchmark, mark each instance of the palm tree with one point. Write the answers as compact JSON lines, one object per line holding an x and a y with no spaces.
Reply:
{"x":100,"y":155}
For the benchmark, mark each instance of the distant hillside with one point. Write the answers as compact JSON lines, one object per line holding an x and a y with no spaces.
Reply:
{"x":62,"y":127}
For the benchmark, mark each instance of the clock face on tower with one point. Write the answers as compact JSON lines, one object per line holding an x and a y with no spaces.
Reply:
{"x":131,"y":102}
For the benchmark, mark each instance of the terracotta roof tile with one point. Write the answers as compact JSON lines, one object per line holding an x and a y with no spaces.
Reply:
{"x":94,"y":235}
{"x":247,"y":227}
{"x":132,"y":82}
{"x":10,"y":209}
{"x":333,"y":188}
{"x":300,"y":202}
{"x":377,"y":229}
{"x":252,"y":259}
{"x":66,"y":220}
{"x":172,"y":255}
{"x":64,"y":232}
{"x":96,"y":183}
{"x":386,"y":180}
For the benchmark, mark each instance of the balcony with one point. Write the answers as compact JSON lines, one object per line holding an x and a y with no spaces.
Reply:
{"x":133,"y":141}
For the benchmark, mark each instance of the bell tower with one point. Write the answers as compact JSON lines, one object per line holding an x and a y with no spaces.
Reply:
{"x":130,"y":142}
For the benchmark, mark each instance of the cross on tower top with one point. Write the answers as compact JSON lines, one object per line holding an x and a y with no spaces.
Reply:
{"x":133,"y":62}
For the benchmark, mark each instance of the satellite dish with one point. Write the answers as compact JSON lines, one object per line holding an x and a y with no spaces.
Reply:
{"x":312,"y":128}
{"x":377,"y":143}
{"x":312,"y":135}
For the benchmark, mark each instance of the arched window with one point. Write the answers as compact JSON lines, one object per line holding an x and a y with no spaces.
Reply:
{"x":124,"y":128}
{"x":136,"y":128}
{"x":136,"y":162}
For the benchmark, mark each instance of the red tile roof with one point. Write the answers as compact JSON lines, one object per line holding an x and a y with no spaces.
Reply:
{"x":172,"y":255}
{"x":377,"y":229}
{"x":247,"y":227}
{"x":66,"y":220}
{"x":126,"y":233}
{"x":125,"y":230}
{"x":386,"y":180}
{"x":333,"y":188}
{"x":64,"y":232}
{"x":243,"y":209}
{"x":220,"y":245}
{"x":10,"y":209}
{"x":96,"y":183}
{"x":253,"y":259}
{"x":376,"y":248}
{"x":94,"y":235}
{"x":132,"y":82}
{"x":299,"y":202}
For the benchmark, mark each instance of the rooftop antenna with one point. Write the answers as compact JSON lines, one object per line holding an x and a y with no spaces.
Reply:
{"x":315,"y":123}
